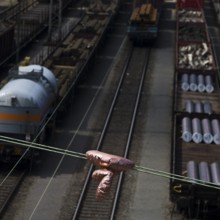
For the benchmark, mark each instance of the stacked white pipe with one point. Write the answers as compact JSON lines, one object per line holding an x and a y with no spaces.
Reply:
{"x":197,"y":83}
{"x":198,"y":107}
{"x":201,"y":130}
{"x":203,"y":171}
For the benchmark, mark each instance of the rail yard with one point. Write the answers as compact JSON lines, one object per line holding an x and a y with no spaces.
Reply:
{"x":79,"y":78}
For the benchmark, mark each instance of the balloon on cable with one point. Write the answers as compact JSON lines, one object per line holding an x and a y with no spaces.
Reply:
{"x":110,"y":165}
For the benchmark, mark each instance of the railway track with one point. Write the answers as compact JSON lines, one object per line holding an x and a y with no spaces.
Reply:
{"x":9,"y":185}
{"x":84,"y":38}
{"x":116,"y":135}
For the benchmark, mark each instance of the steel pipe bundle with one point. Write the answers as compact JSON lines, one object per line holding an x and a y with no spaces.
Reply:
{"x":196,"y":130}
{"x":200,"y":83}
{"x":198,"y":107}
{"x":203,"y":171}
{"x":186,"y":129}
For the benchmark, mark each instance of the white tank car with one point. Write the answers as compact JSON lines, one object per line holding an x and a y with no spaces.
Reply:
{"x":26,"y":99}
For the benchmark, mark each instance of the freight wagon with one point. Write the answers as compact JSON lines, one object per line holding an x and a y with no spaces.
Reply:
{"x":8,"y":3}
{"x":196,"y":120}
{"x":7,"y":41}
{"x":143,"y":22}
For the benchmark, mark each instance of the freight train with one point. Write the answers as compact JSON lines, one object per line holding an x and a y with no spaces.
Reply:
{"x":32,"y":96}
{"x":196,"y":120}
{"x":143,"y":22}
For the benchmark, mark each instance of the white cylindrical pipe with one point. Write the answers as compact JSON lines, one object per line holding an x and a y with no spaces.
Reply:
{"x":189,"y":106}
{"x":186,"y":129}
{"x":201,"y":83}
{"x":209,"y":84}
{"x":192,"y":171}
{"x":204,"y":172}
{"x":215,"y":172}
{"x":185,"y":82}
{"x":207,"y":131}
{"x":198,"y":107}
{"x":216,"y":130}
{"x":193,"y":83}
{"x":207,"y":107}
{"x":196,"y":130}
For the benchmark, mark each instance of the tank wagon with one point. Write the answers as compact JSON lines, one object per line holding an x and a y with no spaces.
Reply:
{"x":196,"y":118}
{"x":26,"y":101}
{"x":32,"y":97}
{"x":143,"y":22}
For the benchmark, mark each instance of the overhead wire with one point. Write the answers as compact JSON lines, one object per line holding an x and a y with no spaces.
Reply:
{"x":43,"y":147}
{"x":143,"y":169}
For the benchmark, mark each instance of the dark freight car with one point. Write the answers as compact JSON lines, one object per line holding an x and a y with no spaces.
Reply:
{"x":143,"y":22}
{"x":7,"y":43}
{"x":190,"y":4}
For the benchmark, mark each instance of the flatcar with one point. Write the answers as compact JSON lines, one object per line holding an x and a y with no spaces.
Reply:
{"x":143,"y":22}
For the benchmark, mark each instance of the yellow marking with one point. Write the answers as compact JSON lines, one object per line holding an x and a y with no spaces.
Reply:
{"x":22,"y":117}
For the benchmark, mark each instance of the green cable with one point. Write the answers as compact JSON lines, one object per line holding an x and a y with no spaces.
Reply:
{"x":83,"y":156}
{"x":23,"y":143}
{"x":178,"y":177}
{"x":173,"y":176}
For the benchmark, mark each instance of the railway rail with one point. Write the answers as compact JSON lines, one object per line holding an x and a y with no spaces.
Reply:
{"x":9,"y":185}
{"x":116,"y":133}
